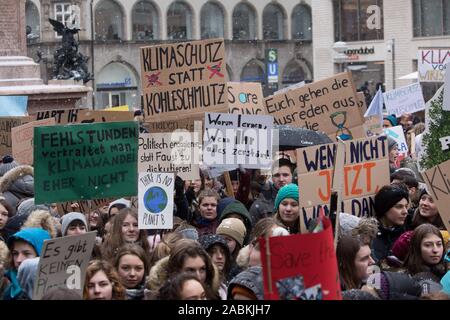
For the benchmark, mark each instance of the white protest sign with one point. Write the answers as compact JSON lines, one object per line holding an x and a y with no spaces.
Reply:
{"x":446,"y":103}
{"x":63,"y":263}
{"x":155,"y":206}
{"x":397,"y":134}
{"x":407,"y":99}
{"x":431,"y":64}
{"x":234,"y":139}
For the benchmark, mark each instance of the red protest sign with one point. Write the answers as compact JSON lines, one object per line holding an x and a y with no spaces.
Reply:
{"x":303,"y":264}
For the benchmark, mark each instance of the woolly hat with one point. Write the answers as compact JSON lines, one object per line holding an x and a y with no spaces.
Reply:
{"x":398,"y":286}
{"x":7,"y":163}
{"x":347,"y":223}
{"x":391,"y":143}
{"x":209,"y":240}
{"x":248,"y":280}
{"x":222,"y":204}
{"x":69,"y":218}
{"x":392,"y":119}
{"x":288,"y":191}
{"x":27,"y":206}
{"x":401,"y":245}
{"x":119,"y":204}
{"x":387,"y":197}
{"x":233,"y":228}
{"x":189,"y":233}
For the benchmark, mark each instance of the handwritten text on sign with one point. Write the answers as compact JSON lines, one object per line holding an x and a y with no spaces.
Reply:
{"x":6,"y":124}
{"x":408,"y":99}
{"x":86,"y":161}
{"x":431,"y":64}
{"x":245,"y":98}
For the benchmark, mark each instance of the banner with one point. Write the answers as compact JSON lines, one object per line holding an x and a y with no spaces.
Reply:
{"x":63,"y":116}
{"x":85,"y":161}
{"x":13,"y":106}
{"x":408,"y":99}
{"x":63,"y":263}
{"x":177,"y":152}
{"x":366,"y":170}
{"x":438,"y":185}
{"x":245,"y":98}
{"x":431,"y":64}
{"x":184,"y":78}
{"x":6,"y":124}
{"x":329,"y":105}
{"x":231,"y":140}
{"x":303,"y":266}
{"x":22,"y":140}
{"x":156,"y":194}
{"x":397,"y":134}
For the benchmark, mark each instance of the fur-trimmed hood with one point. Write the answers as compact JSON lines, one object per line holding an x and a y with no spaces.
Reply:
{"x":9,"y":182}
{"x":41,"y":219}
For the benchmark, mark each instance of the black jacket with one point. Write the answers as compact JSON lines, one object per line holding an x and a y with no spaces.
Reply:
{"x":385,"y":239}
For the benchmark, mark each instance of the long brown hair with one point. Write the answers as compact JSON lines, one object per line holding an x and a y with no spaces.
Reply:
{"x":115,"y":240}
{"x":414,"y":262}
{"x":134,"y":250}
{"x":118,"y":290}
{"x":346,"y":251}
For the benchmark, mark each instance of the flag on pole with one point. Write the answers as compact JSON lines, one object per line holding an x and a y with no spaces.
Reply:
{"x":376,"y":106}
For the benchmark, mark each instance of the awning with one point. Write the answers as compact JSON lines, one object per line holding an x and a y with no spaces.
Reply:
{"x":410,"y":76}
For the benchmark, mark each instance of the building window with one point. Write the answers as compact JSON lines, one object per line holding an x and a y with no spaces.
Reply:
{"x":212,"y":21}
{"x":273,"y":22}
{"x":244,"y":22}
{"x":108,"y":21}
{"x":352,"y":22}
{"x":253,"y":72}
{"x":179,"y":21}
{"x":302,"y":23}
{"x":431,"y":18}
{"x":145,"y":21}
{"x":293,"y":73}
{"x":33,"y":30}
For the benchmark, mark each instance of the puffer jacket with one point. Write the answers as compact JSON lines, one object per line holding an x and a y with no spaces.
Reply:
{"x":17,"y":184}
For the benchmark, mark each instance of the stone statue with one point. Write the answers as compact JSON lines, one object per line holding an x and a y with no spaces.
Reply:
{"x":68,"y":62}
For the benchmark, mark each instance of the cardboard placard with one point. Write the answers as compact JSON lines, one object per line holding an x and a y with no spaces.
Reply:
{"x":184,"y":78}
{"x":62,"y":116}
{"x":63,"y":263}
{"x":300,"y":265}
{"x":397,"y":134}
{"x":231,"y":140}
{"x":85,"y":161}
{"x":329,"y":105}
{"x":407,"y":99}
{"x":6,"y":124}
{"x":91,"y":116}
{"x":245,"y":98}
{"x":361,"y":103}
{"x":156,"y":192}
{"x":366,"y":170}
{"x":431,"y":64}
{"x":438,"y":185}
{"x":172,"y":124}
{"x":85,"y":206}
{"x":22,"y":140}
{"x":177,"y":152}
{"x":372,"y":126}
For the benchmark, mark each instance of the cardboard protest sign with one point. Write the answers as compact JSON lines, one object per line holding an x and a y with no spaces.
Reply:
{"x":156,"y":192}
{"x":13,"y":106}
{"x":231,"y":140}
{"x":438,"y":185}
{"x":407,"y":99}
{"x":177,"y":152}
{"x":329,"y":105}
{"x":90,"y":116}
{"x":184,"y":78}
{"x":245,"y":98}
{"x":85,"y":161}
{"x":22,"y":140}
{"x":397,"y":134}
{"x":366,"y":170}
{"x":84,"y":206}
{"x":63,"y":263}
{"x":62,"y":116}
{"x":372,"y":126}
{"x":174,"y":123}
{"x":6,"y":124}
{"x":302,"y":266}
{"x":431,"y":63}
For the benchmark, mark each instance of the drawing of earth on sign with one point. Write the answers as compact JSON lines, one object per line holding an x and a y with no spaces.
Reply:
{"x":155,"y":200}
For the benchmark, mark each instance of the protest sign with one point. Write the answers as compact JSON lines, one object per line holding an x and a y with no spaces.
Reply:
{"x":83,"y":206}
{"x":63,"y":263}
{"x":85,"y":161}
{"x":366,"y":170}
{"x":13,"y":106}
{"x":245,"y":98}
{"x":397,"y":134}
{"x":6,"y":124}
{"x":177,"y":152}
{"x":184,"y":78}
{"x":90,"y":116}
{"x":174,"y":123}
{"x":446,"y":103}
{"x":431,"y":64}
{"x":361,"y":103}
{"x":408,"y":99}
{"x":156,"y":192}
{"x":300,"y":265}
{"x":438,"y":185}
{"x":329,"y":105}
{"x":372,"y":126}
{"x":22,"y":140}
{"x":231,"y":140}
{"x":62,"y":116}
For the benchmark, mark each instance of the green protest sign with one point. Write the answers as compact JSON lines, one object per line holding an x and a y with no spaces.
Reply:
{"x":85,"y":161}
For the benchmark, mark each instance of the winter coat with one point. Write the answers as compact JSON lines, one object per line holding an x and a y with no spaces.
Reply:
{"x":263,"y":206}
{"x":204,"y":226}
{"x":250,"y":279}
{"x":385,"y":239}
{"x":27,"y":275}
{"x":238,"y":208}
{"x":17,"y":184}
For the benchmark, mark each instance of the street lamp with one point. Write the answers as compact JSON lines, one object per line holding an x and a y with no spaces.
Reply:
{"x":340,"y":57}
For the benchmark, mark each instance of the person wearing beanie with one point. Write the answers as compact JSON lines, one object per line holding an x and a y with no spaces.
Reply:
{"x":393,"y":155}
{"x":231,"y":208}
{"x":401,"y":246}
{"x":287,"y":208}
{"x":397,"y":286}
{"x":234,"y":232}
{"x":7,"y":163}
{"x":389,"y":121}
{"x":115,"y":206}
{"x":247,"y":285}
{"x":25,"y":244}
{"x":391,"y":209}
{"x":17,"y":184}
{"x":73,"y":223}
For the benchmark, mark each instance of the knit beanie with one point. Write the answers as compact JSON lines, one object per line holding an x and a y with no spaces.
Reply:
{"x":69,"y":218}
{"x":391,"y":143}
{"x":7,"y":163}
{"x":392,"y":119}
{"x":288,"y":191}
{"x":398,"y":286}
{"x":387,"y":197}
{"x":233,"y":228}
{"x":222,"y":204}
{"x":401,"y":245}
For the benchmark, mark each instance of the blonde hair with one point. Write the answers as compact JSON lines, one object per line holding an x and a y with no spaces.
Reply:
{"x":4,"y":254}
{"x":41,"y":219}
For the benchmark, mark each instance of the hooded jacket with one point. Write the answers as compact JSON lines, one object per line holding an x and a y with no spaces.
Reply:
{"x":263,"y":206}
{"x":27,"y":274}
{"x":17,"y":184}
{"x":250,"y":279}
